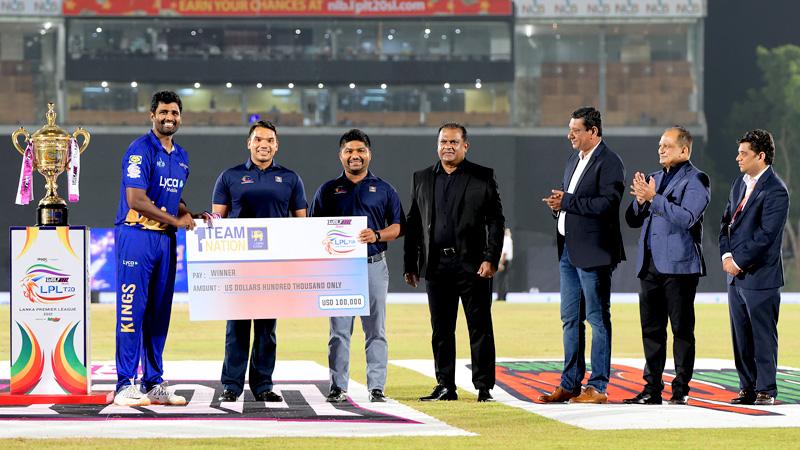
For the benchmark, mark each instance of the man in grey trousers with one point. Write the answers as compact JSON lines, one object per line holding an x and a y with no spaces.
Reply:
{"x":357,"y":192}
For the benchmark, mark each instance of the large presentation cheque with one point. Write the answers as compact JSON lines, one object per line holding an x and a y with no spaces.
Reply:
{"x":270,"y":268}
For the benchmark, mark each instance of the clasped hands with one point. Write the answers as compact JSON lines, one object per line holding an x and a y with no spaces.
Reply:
{"x":643,"y":189}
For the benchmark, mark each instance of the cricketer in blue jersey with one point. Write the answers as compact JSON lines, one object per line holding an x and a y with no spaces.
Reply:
{"x":357,"y":192}
{"x":154,"y":172}
{"x":258,"y":188}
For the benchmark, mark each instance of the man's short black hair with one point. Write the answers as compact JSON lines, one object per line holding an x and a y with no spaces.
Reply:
{"x":760,"y":141}
{"x":355,"y":135}
{"x":454,"y":125}
{"x":685,"y":138}
{"x":263,"y":124}
{"x":591,"y":118}
{"x":165,"y":97}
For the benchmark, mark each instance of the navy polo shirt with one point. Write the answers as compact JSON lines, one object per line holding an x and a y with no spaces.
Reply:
{"x":251,"y":192}
{"x":371,"y":197}
{"x":148,"y":166}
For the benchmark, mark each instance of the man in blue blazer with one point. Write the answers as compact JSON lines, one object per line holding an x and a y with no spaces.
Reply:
{"x":750,"y":241}
{"x":668,"y":207}
{"x":589,"y":248}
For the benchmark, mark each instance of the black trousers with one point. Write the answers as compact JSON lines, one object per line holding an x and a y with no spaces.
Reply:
{"x":449,"y":283}
{"x":262,"y":356}
{"x":665,"y":297}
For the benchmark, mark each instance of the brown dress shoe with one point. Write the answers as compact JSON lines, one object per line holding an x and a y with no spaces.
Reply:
{"x":763,"y":398}
{"x":560,"y":395}
{"x":590,"y":395}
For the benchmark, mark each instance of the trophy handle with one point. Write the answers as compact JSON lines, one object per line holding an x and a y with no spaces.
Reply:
{"x":82,"y":132}
{"x":15,"y":138}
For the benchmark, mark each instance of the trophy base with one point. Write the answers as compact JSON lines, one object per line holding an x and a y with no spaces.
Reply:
{"x":52,"y":216}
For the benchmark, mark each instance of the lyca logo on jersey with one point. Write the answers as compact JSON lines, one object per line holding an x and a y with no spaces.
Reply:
{"x":170,"y":184}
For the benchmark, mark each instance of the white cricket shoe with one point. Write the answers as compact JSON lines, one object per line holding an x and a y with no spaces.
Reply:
{"x":131,"y":395}
{"x":160,"y":395}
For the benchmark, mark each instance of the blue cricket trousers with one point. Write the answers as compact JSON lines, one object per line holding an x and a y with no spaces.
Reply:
{"x":146,"y":263}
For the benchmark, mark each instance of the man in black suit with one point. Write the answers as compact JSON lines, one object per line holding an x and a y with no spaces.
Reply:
{"x":589,"y":248}
{"x":454,"y":239}
{"x":750,"y":241}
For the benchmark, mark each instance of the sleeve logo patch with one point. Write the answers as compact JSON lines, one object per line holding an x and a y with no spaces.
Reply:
{"x":135,"y":159}
{"x":134,"y":171}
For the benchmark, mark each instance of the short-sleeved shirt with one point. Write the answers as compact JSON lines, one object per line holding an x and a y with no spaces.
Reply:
{"x":251,"y":192}
{"x":371,"y":197}
{"x":147,"y":165}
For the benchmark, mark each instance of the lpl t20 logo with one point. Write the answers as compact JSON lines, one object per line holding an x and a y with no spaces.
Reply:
{"x":46,"y":284}
{"x":338,"y":241}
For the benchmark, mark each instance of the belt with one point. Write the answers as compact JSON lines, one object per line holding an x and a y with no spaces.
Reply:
{"x":449,"y":251}
{"x":376,"y":257}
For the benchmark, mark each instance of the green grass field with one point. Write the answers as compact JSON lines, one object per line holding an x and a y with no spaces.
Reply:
{"x":521,"y":330}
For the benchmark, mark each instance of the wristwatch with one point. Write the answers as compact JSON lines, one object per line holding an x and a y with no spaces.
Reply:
{"x":377,"y":236}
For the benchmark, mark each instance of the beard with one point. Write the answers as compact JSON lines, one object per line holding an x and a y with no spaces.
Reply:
{"x":160,"y":127}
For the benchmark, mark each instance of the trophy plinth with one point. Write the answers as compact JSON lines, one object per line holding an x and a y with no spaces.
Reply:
{"x":50,"y":155}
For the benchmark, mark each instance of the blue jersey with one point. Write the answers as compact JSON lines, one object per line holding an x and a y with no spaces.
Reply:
{"x":251,"y":192}
{"x":161,"y":174}
{"x":371,"y":197}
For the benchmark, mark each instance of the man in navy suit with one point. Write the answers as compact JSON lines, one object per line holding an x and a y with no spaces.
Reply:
{"x":668,"y":207}
{"x":589,"y":248}
{"x":750,"y":241}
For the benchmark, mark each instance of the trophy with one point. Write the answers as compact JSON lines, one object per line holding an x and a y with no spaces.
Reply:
{"x":50,"y":155}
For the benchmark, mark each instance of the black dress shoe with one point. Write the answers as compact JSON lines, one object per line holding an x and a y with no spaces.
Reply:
{"x":679,"y":399}
{"x":643,"y":398}
{"x":269,"y":396}
{"x":440,"y":392}
{"x":485,"y":396}
{"x":377,"y":395}
{"x":336,"y":396}
{"x":745,"y":398}
{"x":228,"y":396}
{"x":764,"y":399}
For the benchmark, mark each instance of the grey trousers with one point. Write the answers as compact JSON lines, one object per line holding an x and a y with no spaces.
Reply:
{"x":374,"y":327}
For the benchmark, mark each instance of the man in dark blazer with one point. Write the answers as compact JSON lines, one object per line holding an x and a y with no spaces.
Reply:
{"x":750,"y":241}
{"x":454,"y":239}
{"x":669,"y":207}
{"x":589,"y":248}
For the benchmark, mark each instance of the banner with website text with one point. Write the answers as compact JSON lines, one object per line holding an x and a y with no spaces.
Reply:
{"x":270,"y":268}
{"x":271,"y":8}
